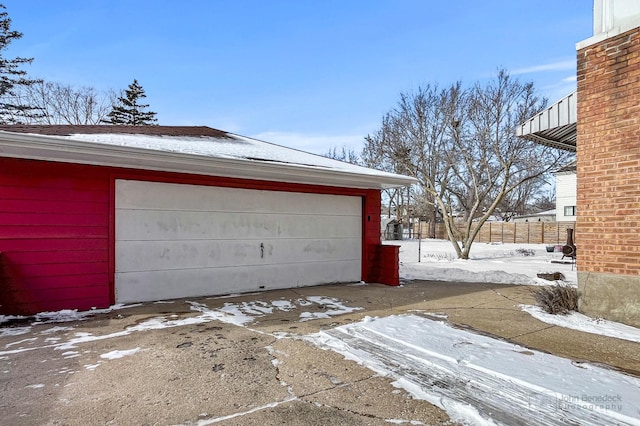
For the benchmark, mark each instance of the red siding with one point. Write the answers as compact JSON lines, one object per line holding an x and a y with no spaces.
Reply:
{"x":370,"y":235}
{"x":54,"y":223}
{"x":386,"y":264}
{"x":57,"y":230}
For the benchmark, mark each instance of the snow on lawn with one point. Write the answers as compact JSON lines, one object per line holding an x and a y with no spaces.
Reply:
{"x":578,"y":321}
{"x":503,"y":264}
{"x":490,"y":263}
{"x":479,"y":380}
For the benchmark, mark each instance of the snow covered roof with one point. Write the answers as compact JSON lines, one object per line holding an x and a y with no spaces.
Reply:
{"x":551,"y":212}
{"x":186,"y":149}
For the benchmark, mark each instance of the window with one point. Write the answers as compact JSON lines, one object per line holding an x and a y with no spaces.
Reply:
{"x":570,"y":210}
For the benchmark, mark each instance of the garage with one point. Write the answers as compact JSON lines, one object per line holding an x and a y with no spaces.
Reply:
{"x":92,"y":216}
{"x":176,"y":240}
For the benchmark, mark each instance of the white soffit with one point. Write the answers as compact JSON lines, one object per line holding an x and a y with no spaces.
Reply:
{"x":555,"y":126}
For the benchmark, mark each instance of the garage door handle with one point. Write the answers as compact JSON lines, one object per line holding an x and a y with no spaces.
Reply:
{"x":262,"y":250}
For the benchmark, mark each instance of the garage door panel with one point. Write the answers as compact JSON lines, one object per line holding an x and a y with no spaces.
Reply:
{"x":182,"y":240}
{"x":183,"y":225}
{"x":291,"y":226}
{"x":158,"y":195}
{"x":133,"y":225}
{"x":163,"y":255}
{"x":142,"y":287}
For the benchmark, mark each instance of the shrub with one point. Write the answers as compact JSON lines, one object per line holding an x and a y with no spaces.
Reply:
{"x":557,"y":299}
{"x":551,"y":276}
{"x":440,"y":256}
{"x":525,"y":252}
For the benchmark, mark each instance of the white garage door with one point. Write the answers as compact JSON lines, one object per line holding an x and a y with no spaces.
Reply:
{"x":175,"y":240}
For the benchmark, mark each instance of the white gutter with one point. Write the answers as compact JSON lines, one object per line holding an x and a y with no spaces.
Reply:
{"x":48,"y":148}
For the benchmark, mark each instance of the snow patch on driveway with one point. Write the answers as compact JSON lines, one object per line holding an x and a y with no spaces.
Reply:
{"x":239,"y":314}
{"x":120,"y":353}
{"x":331,"y":306}
{"x":485,"y":381}
{"x":247,"y":312}
{"x":14,"y":331}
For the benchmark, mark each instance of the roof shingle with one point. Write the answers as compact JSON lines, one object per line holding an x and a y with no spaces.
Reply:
{"x":68,"y":130}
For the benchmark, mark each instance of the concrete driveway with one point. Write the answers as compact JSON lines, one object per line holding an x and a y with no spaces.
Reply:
{"x":244,"y":360}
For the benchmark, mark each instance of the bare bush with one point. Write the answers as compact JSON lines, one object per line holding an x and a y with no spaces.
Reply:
{"x":440,"y":257}
{"x":557,"y":299}
{"x":525,"y":252}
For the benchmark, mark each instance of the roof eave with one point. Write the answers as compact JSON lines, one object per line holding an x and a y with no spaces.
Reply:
{"x":554,"y":143}
{"x":555,"y":126}
{"x":38,"y":147}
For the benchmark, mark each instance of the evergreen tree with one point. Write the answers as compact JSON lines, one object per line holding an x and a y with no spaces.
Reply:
{"x":12,"y":77}
{"x":127,"y":110}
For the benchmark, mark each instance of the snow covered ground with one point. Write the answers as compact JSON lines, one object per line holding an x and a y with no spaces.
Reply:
{"x":503,"y":264}
{"x":493,"y":263}
{"x":483,"y":381}
{"x":478,"y":380}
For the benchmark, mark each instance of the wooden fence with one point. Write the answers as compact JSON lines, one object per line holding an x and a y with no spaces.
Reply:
{"x":507,"y":232}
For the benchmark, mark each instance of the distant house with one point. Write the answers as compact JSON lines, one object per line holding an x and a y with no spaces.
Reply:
{"x":566,"y":199}
{"x":604,"y":134}
{"x":545,"y":216}
{"x":96,"y":215}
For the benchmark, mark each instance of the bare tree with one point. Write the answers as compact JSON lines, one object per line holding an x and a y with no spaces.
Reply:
{"x":414,"y":139}
{"x":462,"y":148}
{"x":348,"y":155}
{"x":522,"y":200}
{"x":544,"y":201}
{"x":64,"y":104}
{"x":396,"y":200}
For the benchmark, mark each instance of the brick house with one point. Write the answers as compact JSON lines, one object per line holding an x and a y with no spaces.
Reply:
{"x":606,"y":136}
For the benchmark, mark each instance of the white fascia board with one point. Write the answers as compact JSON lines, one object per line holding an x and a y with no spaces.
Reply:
{"x":621,"y":27}
{"x":39,"y":147}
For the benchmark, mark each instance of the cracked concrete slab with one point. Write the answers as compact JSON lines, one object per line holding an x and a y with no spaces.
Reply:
{"x":198,"y":369}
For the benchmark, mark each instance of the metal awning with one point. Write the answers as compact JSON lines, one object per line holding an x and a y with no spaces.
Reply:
{"x":555,"y":126}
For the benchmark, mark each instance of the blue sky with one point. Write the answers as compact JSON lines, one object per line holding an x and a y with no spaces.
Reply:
{"x":308,"y":74}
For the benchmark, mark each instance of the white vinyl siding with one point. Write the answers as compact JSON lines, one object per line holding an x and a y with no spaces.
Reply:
{"x":566,"y":185}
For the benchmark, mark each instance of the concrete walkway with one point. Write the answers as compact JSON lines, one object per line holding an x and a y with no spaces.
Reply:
{"x":111,"y":370}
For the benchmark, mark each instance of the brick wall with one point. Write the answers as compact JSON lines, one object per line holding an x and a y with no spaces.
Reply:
{"x":608,"y":151}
